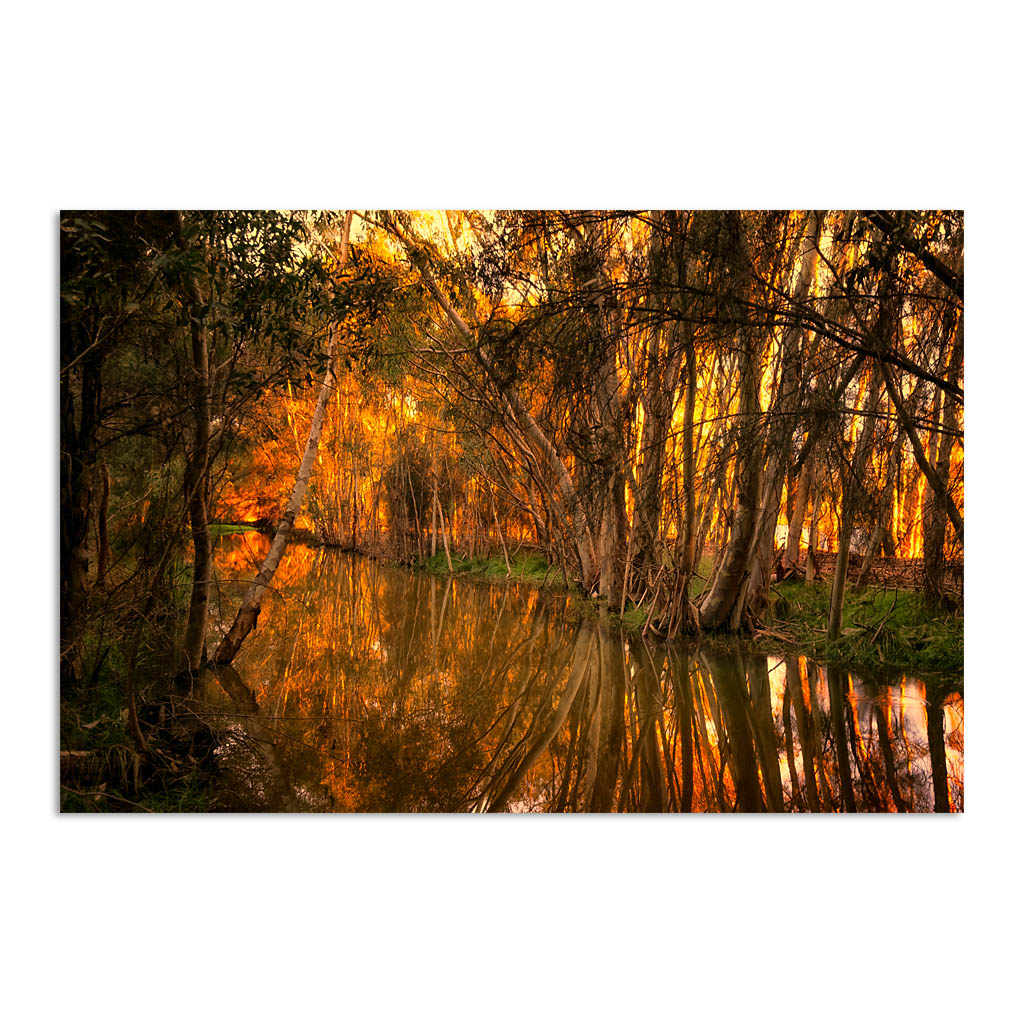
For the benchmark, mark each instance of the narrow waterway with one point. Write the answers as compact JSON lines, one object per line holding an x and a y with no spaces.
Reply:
{"x":374,"y":688}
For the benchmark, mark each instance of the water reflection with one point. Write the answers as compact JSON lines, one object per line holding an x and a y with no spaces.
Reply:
{"x":371,"y":688}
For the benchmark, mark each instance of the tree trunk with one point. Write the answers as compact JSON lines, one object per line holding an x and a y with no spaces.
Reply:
{"x":781,"y":419}
{"x":415,"y":512}
{"x":811,"y":568}
{"x":102,"y":541}
{"x":197,"y":475}
{"x":853,"y":489}
{"x":835,"y":608}
{"x":79,"y":421}
{"x":433,"y":516}
{"x":798,"y":514}
{"x":247,"y":614}
{"x":659,"y":379}
{"x":444,"y":532}
{"x":717,"y":607}
{"x":934,"y":533}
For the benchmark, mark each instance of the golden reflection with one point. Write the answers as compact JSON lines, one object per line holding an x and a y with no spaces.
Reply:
{"x":371,"y":688}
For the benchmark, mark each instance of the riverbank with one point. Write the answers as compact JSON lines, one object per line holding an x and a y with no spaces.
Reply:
{"x":882,"y":627}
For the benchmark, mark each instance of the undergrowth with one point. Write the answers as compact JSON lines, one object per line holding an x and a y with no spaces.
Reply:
{"x":880,"y":626}
{"x":101,"y":769}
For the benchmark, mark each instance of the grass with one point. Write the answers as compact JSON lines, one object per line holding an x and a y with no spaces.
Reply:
{"x":887,"y":627}
{"x":633,"y":616}
{"x":530,"y":568}
{"x":223,"y":529}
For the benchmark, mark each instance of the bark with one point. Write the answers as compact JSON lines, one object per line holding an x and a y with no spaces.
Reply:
{"x":716,"y":487}
{"x":730,"y":677}
{"x":805,"y":732}
{"x":647,"y":514}
{"x":798,"y":514}
{"x":415,"y":512}
{"x":835,"y":608}
{"x":612,"y":699}
{"x":794,"y":688}
{"x":717,"y":607}
{"x":765,"y":739}
{"x":796,"y":800}
{"x":245,"y":619}
{"x":609,"y":414}
{"x":611,"y":546}
{"x":935,"y":531}
{"x":884,"y":727}
{"x":649,"y":701}
{"x":683,"y":701}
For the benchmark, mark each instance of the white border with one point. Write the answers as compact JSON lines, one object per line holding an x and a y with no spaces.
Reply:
{"x":120,"y":105}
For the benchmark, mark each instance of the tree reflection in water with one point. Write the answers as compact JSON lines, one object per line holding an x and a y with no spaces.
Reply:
{"x":372,"y":688}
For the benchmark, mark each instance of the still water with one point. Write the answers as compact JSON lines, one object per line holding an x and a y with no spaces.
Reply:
{"x":373,"y":688}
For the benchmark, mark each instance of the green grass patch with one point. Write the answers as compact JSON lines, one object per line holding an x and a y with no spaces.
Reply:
{"x":886,"y":627}
{"x":633,"y":616}
{"x":528,"y":568}
{"x":223,"y":529}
